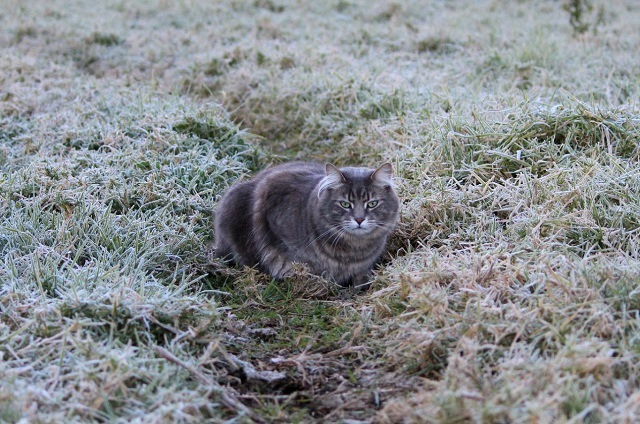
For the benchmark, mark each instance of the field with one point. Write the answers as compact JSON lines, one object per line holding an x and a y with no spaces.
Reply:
{"x":509,"y":292}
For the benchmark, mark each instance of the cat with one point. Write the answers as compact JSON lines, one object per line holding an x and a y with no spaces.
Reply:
{"x":336,"y":221}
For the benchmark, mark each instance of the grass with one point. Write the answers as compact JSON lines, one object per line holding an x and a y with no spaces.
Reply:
{"x":508,"y":292}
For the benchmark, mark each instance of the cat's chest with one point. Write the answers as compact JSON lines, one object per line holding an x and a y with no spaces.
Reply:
{"x":339,"y":259}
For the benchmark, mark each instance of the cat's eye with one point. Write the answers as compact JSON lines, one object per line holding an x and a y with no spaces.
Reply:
{"x":345,"y":205}
{"x":372,"y":204}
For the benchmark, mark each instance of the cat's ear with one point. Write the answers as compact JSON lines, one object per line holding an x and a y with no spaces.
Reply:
{"x":383,"y":175}
{"x":334,"y":178}
{"x":334,"y":173}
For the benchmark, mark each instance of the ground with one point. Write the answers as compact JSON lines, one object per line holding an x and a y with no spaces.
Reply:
{"x":509,"y":291}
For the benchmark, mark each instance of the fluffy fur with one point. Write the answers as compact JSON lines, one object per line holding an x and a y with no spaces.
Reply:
{"x":335,"y":220}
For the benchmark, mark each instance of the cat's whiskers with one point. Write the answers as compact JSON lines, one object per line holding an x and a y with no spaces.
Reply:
{"x":338,"y":236}
{"x":385,"y":225}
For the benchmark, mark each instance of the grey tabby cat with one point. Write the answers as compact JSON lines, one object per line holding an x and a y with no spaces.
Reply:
{"x":335,"y":220}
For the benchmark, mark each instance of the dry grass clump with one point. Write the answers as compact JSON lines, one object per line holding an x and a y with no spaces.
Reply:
{"x":509,"y":291}
{"x":526,"y":340}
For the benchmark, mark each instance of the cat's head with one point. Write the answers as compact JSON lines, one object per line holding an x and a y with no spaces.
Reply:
{"x":358,"y":201}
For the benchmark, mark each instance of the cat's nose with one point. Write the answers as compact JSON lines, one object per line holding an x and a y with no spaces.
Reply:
{"x":359,"y":220}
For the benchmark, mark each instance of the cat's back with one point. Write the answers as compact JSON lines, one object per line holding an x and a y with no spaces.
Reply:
{"x":292,"y":171}
{"x":288,"y":179}
{"x":279,"y":177}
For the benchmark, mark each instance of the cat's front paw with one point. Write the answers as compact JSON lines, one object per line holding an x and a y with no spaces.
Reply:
{"x":281,"y":269}
{"x":275,"y":263}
